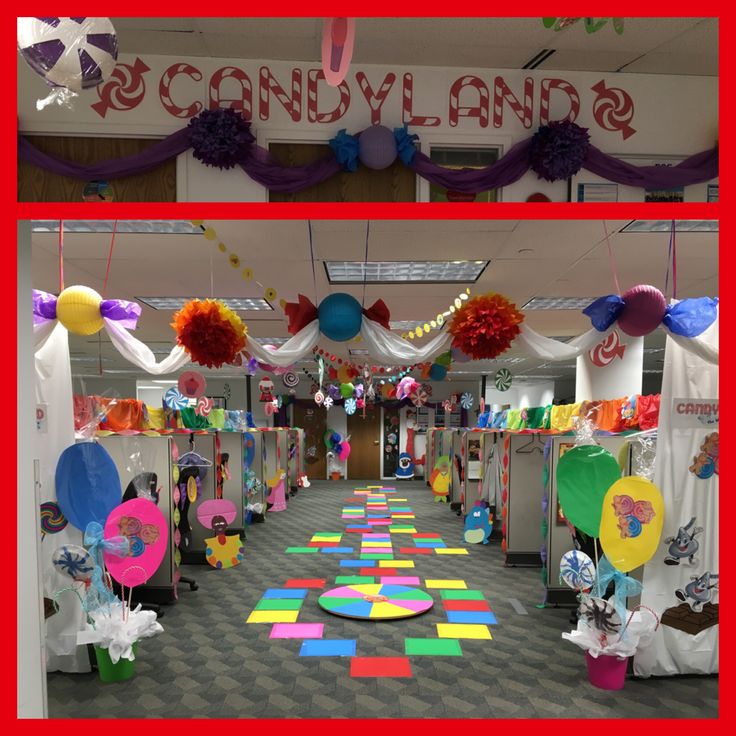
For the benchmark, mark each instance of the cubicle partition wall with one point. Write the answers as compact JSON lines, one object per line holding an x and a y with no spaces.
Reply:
{"x":296,"y":463}
{"x":232,"y":451}
{"x":145,"y":467}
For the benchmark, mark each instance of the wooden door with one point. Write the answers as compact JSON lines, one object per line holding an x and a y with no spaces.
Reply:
{"x":397,"y":183}
{"x":312,"y":419}
{"x":365,"y":444}
{"x":38,"y":185}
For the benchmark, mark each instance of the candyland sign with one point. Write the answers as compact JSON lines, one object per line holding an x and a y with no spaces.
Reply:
{"x":165,"y":92}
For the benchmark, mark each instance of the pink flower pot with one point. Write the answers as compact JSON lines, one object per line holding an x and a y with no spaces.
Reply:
{"x":606,"y":672}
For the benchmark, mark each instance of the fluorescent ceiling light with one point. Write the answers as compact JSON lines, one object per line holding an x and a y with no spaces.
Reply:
{"x":664,"y":226}
{"x":535,"y":378}
{"x":388,"y":272}
{"x":87,"y":359}
{"x":177,"y":302}
{"x":354,"y":351}
{"x":159,"y":227}
{"x":559,"y":302}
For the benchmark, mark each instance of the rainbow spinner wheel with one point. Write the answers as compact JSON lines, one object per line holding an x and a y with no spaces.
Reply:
{"x":376,"y":602}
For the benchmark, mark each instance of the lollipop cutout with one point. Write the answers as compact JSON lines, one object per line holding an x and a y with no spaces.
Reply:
{"x":175,"y":399}
{"x":577,"y":570}
{"x":74,"y":561}
{"x":290,"y":379}
{"x":319,"y":398}
{"x":52,"y":519}
{"x":204,"y":406}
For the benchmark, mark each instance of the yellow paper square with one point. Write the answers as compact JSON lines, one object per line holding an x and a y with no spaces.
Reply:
{"x":394,"y":500}
{"x":410,"y":530}
{"x":378,"y":545}
{"x":374,"y":486}
{"x":395,"y":563}
{"x":446,"y":584}
{"x":463,"y":631}
{"x":450,"y":551}
{"x":272,"y":617}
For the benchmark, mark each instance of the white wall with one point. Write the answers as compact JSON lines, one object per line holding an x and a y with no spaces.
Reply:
{"x":621,"y":377}
{"x":31,"y":664}
{"x":521,"y":395}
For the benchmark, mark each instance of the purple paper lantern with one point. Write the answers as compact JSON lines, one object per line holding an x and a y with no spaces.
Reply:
{"x":643,"y":311}
{"x":377,"y":147}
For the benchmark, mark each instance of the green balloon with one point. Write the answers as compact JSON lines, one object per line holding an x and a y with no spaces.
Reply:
{"x":584,"y":475}
{"x":347,"y":390}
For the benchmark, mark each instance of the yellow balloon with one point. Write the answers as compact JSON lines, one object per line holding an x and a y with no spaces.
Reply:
{"x":631,"y":522}
{"x":78,"y":309}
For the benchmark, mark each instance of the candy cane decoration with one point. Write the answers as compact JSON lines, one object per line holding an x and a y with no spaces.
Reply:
{"x":244,"y":103}
{"x":605,"y":352}
{"x":164,"y":90}
{"x":375,"y":100}
{"x":408,"y":116}
{"x":479,"y":111}
{"x":502,"y":93}
{"x":268,"y":84}
{"x":564,"y":86}
{"x":314,"y":76}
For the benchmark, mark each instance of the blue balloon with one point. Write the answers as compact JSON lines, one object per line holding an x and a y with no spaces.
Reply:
{"x":340,"y":316}
{"x":437,"y":372}
{"x":87,"y":484}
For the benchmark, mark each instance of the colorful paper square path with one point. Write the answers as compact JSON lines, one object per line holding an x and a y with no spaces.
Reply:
{"x":433,"y":647}
{"x":471,"y":617}
{"x":272,"y":617}
{"x":297,"y":631}
{"x":380,"y":667}
{"x":463,"y":631}
{"x":445,"y":584}
{"x":328,"y":648}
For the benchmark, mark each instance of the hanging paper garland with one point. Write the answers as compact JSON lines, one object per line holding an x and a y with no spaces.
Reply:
{"x":424,"y":329}
{"x":502,"y":380}
{"x":210,"y":332}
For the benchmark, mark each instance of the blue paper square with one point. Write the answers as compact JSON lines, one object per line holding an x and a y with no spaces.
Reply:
{"x":337,"y":550}
{"x":285,"y":593}
{"x":328,"y":648}
{"x":357,"y":563}
{"x":470,"y":617}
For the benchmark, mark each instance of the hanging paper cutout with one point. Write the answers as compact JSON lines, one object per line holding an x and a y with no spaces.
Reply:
{"x":706,"y":463}
{"x":73,"y":561}
{"x":222,"y":551}
{"x":338,"y":37}
{"x":699,"y":591}
{"x":577,"y":570}
{"x":265,"y":386}
{"x":683,"y":546}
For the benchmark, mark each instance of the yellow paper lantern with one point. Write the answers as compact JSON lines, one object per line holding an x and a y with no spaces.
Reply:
{"x":344,"y":374}
{"x":631,"y":522}
{"x":78,"y":309}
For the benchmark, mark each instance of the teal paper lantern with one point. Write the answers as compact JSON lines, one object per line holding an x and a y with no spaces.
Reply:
{"x":340,"y":316}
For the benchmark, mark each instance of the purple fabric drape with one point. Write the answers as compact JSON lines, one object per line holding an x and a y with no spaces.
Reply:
{"x":157,"y":154}
{"x":266,"y":170}
{"x":125,"y":313}
{"x":696,"y":169}
{"x":44,"y":307}
{"x":260,"y":166}
{"x":505,"y":171}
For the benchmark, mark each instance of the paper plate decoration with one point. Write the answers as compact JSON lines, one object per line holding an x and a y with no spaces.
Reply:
{"x":290,"y":379}
{"x":376,"y":602}
{"x":87,"y":484}
{"x":204,"y":406}
{"x":338,"y":37}
{"x":175,"y":399}
{"x":485,"y":326}
{"x":577,"y":570}
{"x":71,"y":53}
{"x":52,"y":519}
{"x":144,"y":525}
{"x":73,"y":561}
{"x":466,"y":400}
{"x":350,"y":406}
{"x":478,"y":526}
{"x":192,"y":384}
{"x":631,"y":524}
{"x":210,"y":332}
{"x":584,"y":475}
{"x":502,"y":380}
{"x":641,"y":309}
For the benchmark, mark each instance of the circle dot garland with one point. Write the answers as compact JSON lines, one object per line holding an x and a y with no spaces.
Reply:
{"x":502,"y":379}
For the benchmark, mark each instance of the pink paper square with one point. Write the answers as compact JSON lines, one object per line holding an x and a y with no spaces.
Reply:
{"x":296,"y":631}
{"x":376,"y":550}
{"x":396,"y":580}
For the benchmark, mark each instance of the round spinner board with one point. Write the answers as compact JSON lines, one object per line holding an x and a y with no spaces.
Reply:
{"x":376,"y":602}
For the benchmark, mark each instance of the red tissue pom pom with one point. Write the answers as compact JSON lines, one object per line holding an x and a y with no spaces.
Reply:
{"x":485,"y":326}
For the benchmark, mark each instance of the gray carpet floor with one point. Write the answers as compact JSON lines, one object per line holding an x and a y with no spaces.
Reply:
{"x":209,"y":663}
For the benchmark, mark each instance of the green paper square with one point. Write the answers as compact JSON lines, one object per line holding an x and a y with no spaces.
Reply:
{"x":302,"y":550}
{"x":462,"y":595}
{"x":436,"y":647}
{"x":377,"y":556}
{"x":354,"y":580}
{"x":279,"y":604}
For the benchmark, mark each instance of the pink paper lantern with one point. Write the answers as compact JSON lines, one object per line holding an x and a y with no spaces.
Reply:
{"x":644,"y":310}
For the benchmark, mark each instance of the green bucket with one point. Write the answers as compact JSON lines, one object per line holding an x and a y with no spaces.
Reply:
{"x":109,"y":672}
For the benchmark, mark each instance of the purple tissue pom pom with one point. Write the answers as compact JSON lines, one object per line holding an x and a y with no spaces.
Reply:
{"x":558,"y":150}
{"x":220,"y":137}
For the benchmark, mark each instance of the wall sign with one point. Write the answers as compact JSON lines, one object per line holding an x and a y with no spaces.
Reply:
{"x":695,"y":413}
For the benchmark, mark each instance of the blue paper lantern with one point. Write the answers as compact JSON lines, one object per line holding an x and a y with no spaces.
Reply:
{"x":437,"y":372}
{"x":87,"y":484}
{"x":340,"y":316}
{"x":377,"y":147}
